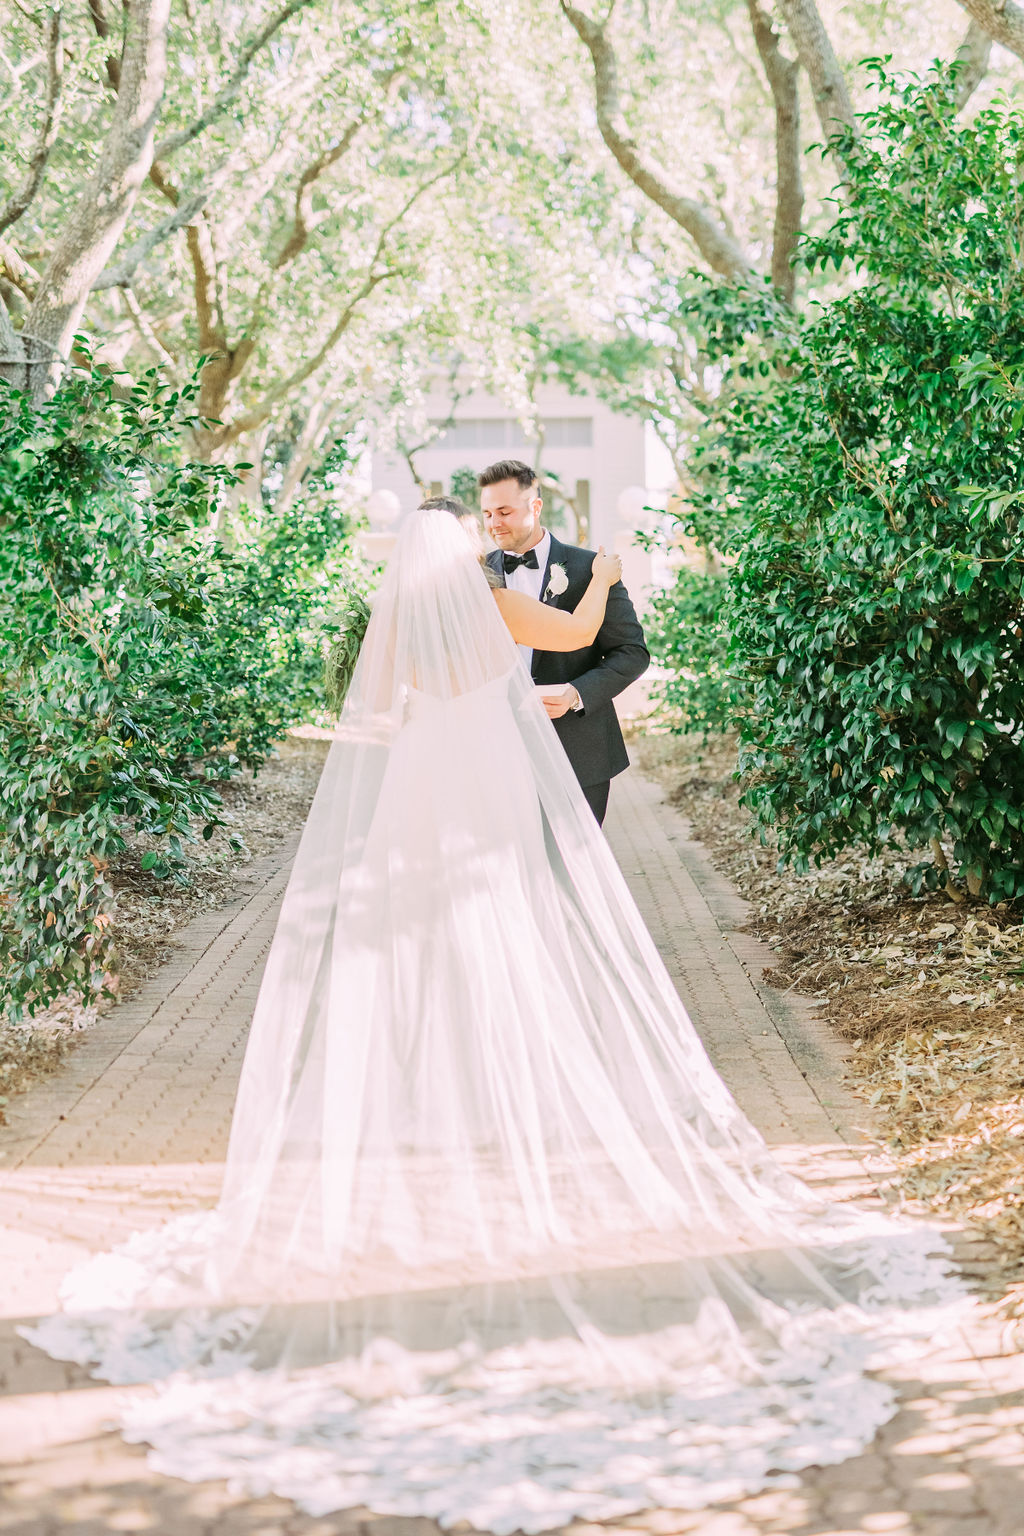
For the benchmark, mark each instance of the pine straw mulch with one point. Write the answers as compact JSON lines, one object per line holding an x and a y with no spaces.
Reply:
{"x":259,"y":811}
{"x":929,"y":994}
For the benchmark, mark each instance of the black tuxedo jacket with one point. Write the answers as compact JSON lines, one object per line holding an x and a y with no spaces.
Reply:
{"x":592,"y":738}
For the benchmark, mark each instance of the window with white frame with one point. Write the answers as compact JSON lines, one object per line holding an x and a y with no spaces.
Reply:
{"x":496,"y":433}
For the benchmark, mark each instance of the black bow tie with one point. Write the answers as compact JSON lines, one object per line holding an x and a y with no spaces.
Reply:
{"x":512,"y":563}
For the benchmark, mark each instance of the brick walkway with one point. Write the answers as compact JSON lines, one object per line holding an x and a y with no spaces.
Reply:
{"x":134,"y":1126}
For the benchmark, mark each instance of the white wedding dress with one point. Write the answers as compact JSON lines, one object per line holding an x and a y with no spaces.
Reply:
{"x":495,"y":1244}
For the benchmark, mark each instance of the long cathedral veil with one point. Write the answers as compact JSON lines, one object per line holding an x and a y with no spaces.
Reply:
{"x":494,"y":1242}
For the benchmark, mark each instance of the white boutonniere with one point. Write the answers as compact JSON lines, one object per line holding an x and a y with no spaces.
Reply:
{"x":558,"y":581}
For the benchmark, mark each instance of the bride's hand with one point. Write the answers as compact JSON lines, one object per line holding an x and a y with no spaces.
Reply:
{"x":607,"y":568}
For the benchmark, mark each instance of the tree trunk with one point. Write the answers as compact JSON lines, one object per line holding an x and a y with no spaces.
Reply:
{"x":783,"y":76}
{"x":722,"y":253}
{"x":317,"y":425}
{"x":816,"y":54}
{"x":1003,"y":20}
{"x":95,"y":223}
{"x":972,"y":58}
{"x":254,"y":451}
{"x":942,"y":863}
{"x":17,"y":204}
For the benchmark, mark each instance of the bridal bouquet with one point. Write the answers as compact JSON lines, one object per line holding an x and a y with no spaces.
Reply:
{"x":345,"y":631}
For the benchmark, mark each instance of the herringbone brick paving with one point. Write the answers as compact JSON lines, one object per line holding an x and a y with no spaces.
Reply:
{"x":134,"y":1126}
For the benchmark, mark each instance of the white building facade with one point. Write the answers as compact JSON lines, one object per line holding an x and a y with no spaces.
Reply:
{"x":594,"y":454}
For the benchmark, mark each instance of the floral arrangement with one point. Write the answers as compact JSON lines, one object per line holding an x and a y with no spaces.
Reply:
{"x":558,"y":582}
{"x":346,"y":631}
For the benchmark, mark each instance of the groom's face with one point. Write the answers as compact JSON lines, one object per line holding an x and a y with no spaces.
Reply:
{"x":512,"y":515}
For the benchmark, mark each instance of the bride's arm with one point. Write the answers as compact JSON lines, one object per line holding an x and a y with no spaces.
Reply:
{"x":555,"y":629}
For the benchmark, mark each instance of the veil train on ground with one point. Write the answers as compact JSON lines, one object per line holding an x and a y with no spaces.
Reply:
{"x":494,"y":1243}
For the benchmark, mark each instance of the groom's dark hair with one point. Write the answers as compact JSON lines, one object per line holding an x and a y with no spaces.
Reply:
{"x":508,"y":469}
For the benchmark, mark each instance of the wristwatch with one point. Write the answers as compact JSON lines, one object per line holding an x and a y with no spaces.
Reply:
{"x":577,"y":708}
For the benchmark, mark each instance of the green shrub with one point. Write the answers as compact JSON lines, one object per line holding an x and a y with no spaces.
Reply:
{"x":687,"y":631}
{"x":871,"y":494}
{"x":268,"y":603}
{"x":463,"y":485}
{"x":140,"y":661}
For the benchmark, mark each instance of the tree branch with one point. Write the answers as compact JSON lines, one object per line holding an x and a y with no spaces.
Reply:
{"x":319,"y":420}
{"x":455,"y":397}
{"x":972,"y":62}
{"x":782,"y":74}
{"x":184,"y":213}
{"x":721,"y":252}
{"x":255,"y":417}
{"x":209,"y":312}
{"x":97,"y":219}
{"x":17,"y":205}
{"x":229,"y":91}
{"x":11,"y":349}
{"x":163,"y":183}
{"x":1003,"y":20}
{"x":17,"y":271}
{"x":815,"y":52}
{"x":146,"y":331}
{"x":302,"y":222}
{"x":256,"y":183}
{"x":102,"y":27}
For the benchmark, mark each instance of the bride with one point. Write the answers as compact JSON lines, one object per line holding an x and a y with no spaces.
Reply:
{"x":494,"y":1243}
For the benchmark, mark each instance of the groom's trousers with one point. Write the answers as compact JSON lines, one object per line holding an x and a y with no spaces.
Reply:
{"x":596,"y":796}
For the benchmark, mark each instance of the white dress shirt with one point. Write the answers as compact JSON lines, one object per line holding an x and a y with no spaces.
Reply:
{"x":525,"y":579}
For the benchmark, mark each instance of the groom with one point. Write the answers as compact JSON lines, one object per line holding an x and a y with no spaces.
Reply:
{"x":533,"y":561}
